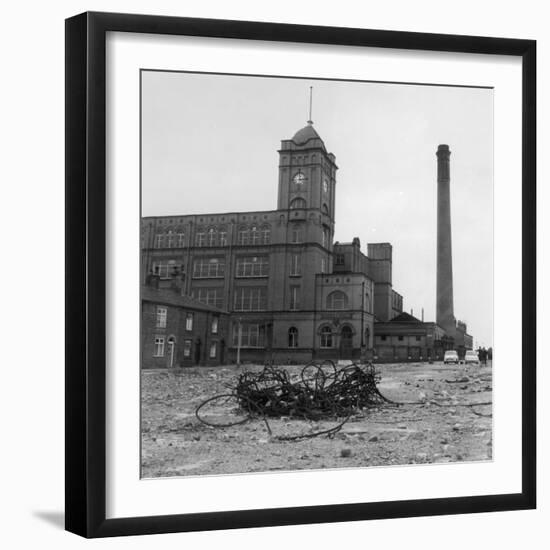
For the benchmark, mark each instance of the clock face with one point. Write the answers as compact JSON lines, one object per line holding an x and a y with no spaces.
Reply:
{"x":299,"y":178}
{"x":325,"y":186}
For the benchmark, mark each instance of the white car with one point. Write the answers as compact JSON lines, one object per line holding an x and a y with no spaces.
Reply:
{"x":471,"y":357}
{"x":451,"y":356}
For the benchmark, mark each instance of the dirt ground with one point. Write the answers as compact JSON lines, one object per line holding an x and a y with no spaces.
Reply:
{"x":446,"y":417}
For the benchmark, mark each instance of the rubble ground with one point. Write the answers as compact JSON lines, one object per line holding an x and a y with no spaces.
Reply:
{"x":445,"y":415}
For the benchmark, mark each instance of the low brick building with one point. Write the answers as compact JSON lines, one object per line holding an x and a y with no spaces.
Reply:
{"x":406,"y":338}
{"x":179,"y":331}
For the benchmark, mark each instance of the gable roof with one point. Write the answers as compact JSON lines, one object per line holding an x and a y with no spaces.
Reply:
{"x":405,"y":318}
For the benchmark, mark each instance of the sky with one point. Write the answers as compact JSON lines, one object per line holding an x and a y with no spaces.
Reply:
{"x":209,"y":144}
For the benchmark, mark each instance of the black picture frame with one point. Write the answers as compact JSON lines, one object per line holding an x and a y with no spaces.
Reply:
{"x":86,"y":275}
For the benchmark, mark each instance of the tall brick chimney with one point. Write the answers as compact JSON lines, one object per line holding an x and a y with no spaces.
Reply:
{"x":444,"y":300}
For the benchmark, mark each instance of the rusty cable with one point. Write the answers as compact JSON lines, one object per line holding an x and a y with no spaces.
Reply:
{"x":321,"y":392}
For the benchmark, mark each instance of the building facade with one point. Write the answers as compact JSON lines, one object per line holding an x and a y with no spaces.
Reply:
{"x":291,"y":292}
{"x":406,"y":338}
{"x":178,"y":331}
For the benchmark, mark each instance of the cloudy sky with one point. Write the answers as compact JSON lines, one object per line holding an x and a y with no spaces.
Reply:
{"x":209,"y":144}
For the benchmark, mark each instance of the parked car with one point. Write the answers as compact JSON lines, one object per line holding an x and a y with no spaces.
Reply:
{"x":471,"y":357}
{"x":451,"y":356}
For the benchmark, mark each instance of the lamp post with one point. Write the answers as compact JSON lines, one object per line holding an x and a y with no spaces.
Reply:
{"x":362,"y":316}
{"x":239,"y":340}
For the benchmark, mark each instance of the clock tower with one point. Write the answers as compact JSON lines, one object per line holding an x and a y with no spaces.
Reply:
{"x":307,"y":174}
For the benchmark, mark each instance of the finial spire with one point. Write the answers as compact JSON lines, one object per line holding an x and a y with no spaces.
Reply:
{"x":310,"y":104}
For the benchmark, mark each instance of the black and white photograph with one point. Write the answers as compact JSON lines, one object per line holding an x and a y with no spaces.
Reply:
{"x":292,"y":289}
{"x":316,"y":273}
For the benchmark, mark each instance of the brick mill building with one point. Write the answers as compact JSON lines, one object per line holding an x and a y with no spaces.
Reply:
{"x":291,"y":293}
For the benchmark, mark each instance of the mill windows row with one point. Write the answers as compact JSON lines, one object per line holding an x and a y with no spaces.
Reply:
{"x":214,"y":236}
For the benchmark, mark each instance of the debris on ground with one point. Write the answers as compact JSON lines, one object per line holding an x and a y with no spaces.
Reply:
{"x":175,"y":443}
{"x":322,"y":391}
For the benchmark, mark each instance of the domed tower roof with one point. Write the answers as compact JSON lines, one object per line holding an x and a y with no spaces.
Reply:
{"x":305,"y":134}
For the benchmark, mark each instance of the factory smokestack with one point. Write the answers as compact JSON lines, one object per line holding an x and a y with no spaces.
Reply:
{"x":444,"y":299}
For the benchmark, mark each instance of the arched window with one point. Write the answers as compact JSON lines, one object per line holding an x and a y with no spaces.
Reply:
{"x":244,"y":235}
{"x":297,"y":203}
{"x":292,"y":337}
{"x":326,"y":237}
{"x":223,"y":236}
{"x":255,"y":235}
{"x":347,"y":333}
{"x":159,"y":240}
{"x":181,"y":238}
{"x":170,"y":239}
{"x":326,"y":337}
{"x":172,"y":268}
{"x":337,"y":300}
{"x":266,"y":234}
{"x":325,"y":209}
{"x":211,"y":237}
{"x":367,"y":301}
{"x":200,"y":237}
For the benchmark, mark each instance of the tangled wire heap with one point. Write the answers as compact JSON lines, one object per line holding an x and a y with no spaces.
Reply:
{"x":321,"y":392}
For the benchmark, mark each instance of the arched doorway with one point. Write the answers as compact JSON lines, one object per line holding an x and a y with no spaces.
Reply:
{"x":346,"y":342}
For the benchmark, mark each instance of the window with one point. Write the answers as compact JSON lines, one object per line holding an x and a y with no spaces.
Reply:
{"x":161,"y":317}
{"x":208,"y":267}
{"x":325,"y":209}
{"x":383,"y":338}
{"x":255,"y":235}
{"x":252,"y":266}
{"x":418,"y":338}
{"x":250,"y":298}
{"x":337,"y":300}
{"x":294,"y":297}
{"x":189,"y":321}
{"x":292,"y":337}
{"x":323,"y":265}
{"x":223,"y":237}
{"x":170,"y":239}
{"x":187,"y":345}
{"x":326,"y":237}
{"x":200,"y":237}
{"x":266,"y":234}
{"x":214,"y":325}
{"x":326,"y":337}
{"x":296,"y":233}
{"x":400,"y":338}
{"x":159,"y":240}
{"x":243,"y":236}
{"x":252,"y":335}
{"x":166,"y":269}
{"x":297,"y":203}
{"x":339,"y":259}
{"x":209,"y":296}
{"x":159,"y":346}
{"x":213,"y":347}
{"x":181,"y":240}
{"x":211,"y":237}
{"x":295,"y":265}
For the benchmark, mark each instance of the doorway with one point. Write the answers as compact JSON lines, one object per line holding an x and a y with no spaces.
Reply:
{"x":171,"y":351}
{"x":346,"y":343}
